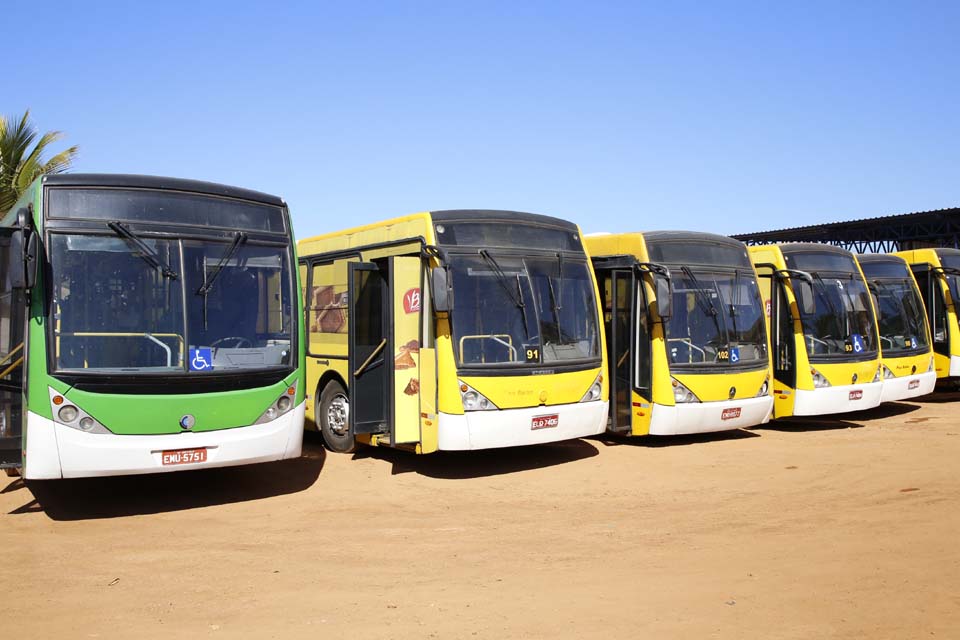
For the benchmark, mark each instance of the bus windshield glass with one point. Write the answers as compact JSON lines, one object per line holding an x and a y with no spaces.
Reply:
{"x":139,"y":304}
{"x":841,"y":323}
{"x":900,"y":315}
{"x":511,"y":310}
{"x":951,"y":262}
{"x":717,"y":318}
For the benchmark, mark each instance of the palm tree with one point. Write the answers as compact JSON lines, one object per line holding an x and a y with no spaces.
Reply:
{"x":20,"y":165}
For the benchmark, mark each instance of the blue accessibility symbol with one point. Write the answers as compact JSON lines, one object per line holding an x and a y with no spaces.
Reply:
{"x":857,"y":341}
{"x":201,"y":359}
{"x":734,"y":355}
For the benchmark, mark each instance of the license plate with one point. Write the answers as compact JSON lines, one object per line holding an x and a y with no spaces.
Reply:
{"x":730,"y":414}
{"x":913,"y":384}
{"x":544,"y":422}
{"x":183,"y":456}
{"x":856,"y":394}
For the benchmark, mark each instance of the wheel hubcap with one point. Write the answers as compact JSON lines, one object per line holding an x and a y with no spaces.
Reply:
{"x":337,"y":414}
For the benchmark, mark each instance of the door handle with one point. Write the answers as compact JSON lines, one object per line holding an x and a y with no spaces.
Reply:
{"x":370,"y":358}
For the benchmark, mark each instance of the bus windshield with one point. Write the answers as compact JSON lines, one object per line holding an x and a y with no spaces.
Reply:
{"x":534,"y":310}
{"x":951,"y":263}
{"x":164,"y":305}
{"x":900,"y":316}
{"x":717,"y":318}
{"x":841,"y":322}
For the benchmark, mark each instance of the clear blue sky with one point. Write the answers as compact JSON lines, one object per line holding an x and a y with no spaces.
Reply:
{"x":617,"y":115}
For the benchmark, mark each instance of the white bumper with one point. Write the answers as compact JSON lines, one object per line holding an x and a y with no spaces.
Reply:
{"x":512,"y":427}
{"x":955,"y":366}
{"x":56,"y":451}
{"x":706,"y":417}
{"x":919,"y":384}
{"x":842,"y":399}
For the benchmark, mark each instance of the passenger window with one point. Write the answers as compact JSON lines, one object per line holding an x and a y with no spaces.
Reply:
{"x":326,"y":302}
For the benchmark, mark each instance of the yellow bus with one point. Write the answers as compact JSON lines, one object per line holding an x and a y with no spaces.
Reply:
{"x":905,"y":351}
{"x":936,"y":272}
{"x":822,"y":329}
{"x":453,"y":330}
{"x":686,"y":338}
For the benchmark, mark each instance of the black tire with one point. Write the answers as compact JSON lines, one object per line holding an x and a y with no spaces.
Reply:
{"x":337,"y":437}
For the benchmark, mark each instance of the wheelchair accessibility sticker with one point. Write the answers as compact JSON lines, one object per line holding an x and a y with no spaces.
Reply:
{"x":201,"y":359}
{"x":857,"y":342}
{"x":734,"y":355}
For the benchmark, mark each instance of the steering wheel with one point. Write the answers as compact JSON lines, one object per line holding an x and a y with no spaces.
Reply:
{"x":240,"y":342}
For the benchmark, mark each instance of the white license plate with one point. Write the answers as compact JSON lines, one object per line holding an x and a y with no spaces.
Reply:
{"x":183,"y":456}
{"x":913,"y":384}
{"x":730,"y":414}
{"x":856,"y":394}
{"x":544,"y":422}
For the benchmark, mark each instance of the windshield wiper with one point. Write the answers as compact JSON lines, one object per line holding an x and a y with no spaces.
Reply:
{"x":734,"y":303}
{"x":150,"y":256}
{"x":833,"y":308}
{"x":501,"y":276}
{"x":238,"y":239}
{"x":706,"y":303}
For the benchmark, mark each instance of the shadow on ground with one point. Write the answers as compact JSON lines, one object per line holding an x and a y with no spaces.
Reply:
{"x":460,"y":465}
{"x":938,"y":397}
{"x":612,"y":440}
{"x":119,"y":496}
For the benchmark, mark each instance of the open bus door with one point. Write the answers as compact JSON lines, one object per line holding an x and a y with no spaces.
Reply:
{"x":12,"y":325}
{"x":783,"y":340}
{"x":384,"y":352}
{"x":626,"y":324}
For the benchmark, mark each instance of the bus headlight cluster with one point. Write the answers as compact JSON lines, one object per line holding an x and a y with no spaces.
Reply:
{"x":280,"y":406}
{"x":473,"y":400}
{"x":931,"y":367}
{"x":681,"y":394}
{"x":764,"y":388}
{"x":877,"y":375}
{"x":595,"y":391}
{"x":819,"y":381}
{"x":887,"y":374}
{"x":67,"y":413}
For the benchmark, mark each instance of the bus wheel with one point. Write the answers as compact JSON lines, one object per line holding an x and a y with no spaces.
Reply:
{"x":334,"y":418}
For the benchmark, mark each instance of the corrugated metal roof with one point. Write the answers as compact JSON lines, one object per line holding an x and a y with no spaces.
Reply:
{"x":851,"y":224}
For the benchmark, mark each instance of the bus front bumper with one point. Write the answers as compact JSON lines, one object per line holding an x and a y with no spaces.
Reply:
{"x":905,"y":387}
{"x":515,"y":427}
{"x":840,"y":399}
{"x":56,"y":451}
{"x":707,"y":417}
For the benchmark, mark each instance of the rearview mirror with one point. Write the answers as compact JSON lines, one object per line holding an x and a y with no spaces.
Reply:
{"x":664,"y":290}
{"x":803,"y":291}
{"x":440,"y":289}
{"x":22,"y":259}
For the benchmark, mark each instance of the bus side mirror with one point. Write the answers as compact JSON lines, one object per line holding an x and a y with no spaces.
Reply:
{"x":440,"y":289}
{"x":804,"y":294}
{"x":22,"y":259}
{"x":664,"y":290}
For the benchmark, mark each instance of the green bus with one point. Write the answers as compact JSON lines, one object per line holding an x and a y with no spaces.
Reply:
{"x":147,"y":324}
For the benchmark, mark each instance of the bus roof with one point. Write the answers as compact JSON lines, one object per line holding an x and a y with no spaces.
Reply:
{"x":879,"y":257}
{"x":797,"y":247}
{"x":697,"y":236}
{"x":130,"y":181}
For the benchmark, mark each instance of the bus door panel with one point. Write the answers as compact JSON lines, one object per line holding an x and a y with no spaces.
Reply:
{"x":369,"y":377}
{"x":12,"y":326}
{"x":642,"y":372}
{"x":406,"y":294}
{"x":931,"y":291}
{"x":784,"y":351}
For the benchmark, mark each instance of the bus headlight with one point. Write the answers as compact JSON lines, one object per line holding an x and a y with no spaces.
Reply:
{"x":595,"y":391}
{"x":819,"y":381}
{"x":887,"y":374}
{"x":67,"y":413}
{"x":764,"y":388}
{"x":280,"y":406}
{"x":473,"y":400}
{"x":877,"y":376}
{"x":931,"y":367}
{"x":682,"y":395}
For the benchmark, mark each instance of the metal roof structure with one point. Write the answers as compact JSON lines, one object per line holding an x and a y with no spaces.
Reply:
{"x":937,"y":228}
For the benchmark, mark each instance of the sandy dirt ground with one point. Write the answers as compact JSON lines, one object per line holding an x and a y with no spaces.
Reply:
{"x":843,"y":528}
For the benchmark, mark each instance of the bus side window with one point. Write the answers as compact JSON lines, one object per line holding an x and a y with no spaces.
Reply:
{"x":326,"y":303}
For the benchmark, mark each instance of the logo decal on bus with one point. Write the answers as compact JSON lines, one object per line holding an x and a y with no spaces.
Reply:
{"x":855,"y":345}
{"x":201,"y":359}
{"x":411,"y":300}
{"x":856,"y":394}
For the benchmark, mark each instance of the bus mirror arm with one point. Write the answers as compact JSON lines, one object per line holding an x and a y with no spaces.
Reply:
{"x":803,"y":286}
{"x":663,"y":286}
{"x":440,"y":290}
